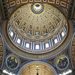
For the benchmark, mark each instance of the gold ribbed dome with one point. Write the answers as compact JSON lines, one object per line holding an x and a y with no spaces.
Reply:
{"x":37,"y":28}
{"x":37,"y":21}
{"x":37,"y":68}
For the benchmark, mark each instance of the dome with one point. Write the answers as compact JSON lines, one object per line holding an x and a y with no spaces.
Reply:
{"x":37,"y":22}
{"x":37,"y":28}
{"x":37,"y":68}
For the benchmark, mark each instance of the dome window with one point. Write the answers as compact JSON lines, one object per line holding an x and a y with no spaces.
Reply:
{"x":37,"y":47}
{"x":27,"y":45}
{"x":55,"y":40}
{"x":63,"y":34}
{"x":11,"y":33}
{"x":46,"y":45}
{"x":18,"y":41}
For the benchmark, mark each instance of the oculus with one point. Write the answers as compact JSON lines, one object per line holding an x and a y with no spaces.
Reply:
{"x":37,"y":8}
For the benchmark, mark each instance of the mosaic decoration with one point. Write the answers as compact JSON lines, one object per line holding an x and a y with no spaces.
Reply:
{"x":63,"y":3}
{"x":12,"y":62}
{"x":62,"y":62}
